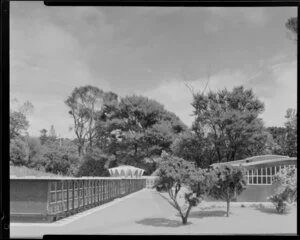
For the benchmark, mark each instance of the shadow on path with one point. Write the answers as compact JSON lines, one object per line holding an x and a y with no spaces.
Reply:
{"x":204,"y":214}
{"x":161,"y":222}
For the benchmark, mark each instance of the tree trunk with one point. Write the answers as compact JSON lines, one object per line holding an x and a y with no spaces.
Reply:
{"x":184,"y":220}
{"x":228,"y":208}
{"x":79,"y":150}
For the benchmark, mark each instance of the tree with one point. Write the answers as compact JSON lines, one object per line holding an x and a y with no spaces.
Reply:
{"x":52,"y":133}
{"x":136,"y":131}
{"x":85,"y":104}
{"x":34,"y":149}
{"x":43,"y":136}
{"x":18,"y":118}
{"x":286,"y":192}
{"x":176,"y":174}
{"x":94,"y":164}
{"x":18,"y":124}
{"x":291,"y":132}
{"x":292,"y":25}
{"x":230,"y":183}
{"x":18,"y":152}
{"x":279,"y":137}
{"x":229,"y":122}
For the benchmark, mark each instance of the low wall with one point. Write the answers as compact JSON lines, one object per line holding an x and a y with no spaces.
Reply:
{"x":50,"y":199}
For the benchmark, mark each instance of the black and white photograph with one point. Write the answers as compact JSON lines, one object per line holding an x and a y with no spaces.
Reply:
{"x":145,"y":120}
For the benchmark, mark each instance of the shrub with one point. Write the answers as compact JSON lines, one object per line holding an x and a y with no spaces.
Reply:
{"x":230,"y":182}
{"x":18,"y":152}
{"x":176,"y":173}
{"x":286,"y":193}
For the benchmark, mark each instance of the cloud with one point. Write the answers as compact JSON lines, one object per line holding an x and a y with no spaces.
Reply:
{"x":47,"y":63}
{"x":177,"y":98}
{"x":220,"y":16}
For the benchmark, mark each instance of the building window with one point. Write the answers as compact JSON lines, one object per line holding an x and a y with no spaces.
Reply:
{"x":264,"y":176}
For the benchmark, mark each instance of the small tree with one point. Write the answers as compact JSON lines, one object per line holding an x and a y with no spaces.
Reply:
{"x":230,"y":182}
{"x":175,"y":174}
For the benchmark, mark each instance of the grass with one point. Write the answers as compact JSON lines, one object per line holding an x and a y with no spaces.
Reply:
{"x":22,"y":171}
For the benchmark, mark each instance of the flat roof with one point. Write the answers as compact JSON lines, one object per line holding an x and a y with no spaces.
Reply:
{"x":257,"y":160}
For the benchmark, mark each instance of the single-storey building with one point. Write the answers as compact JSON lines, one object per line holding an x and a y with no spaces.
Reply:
{"x":260,"y":172}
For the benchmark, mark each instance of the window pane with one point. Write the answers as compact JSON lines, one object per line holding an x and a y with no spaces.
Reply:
{"x":269,"y":170}
{"x":264,"y":180}
{"x":269,"y":180}
{"x":254,"y":180}
{"x":264,"y":171}
{"x":250,"y":180}
{"x":259,"y":180}
{"x":250,"y":172}
{"x":59,"y":185}
{"x":59,"y":196}
{"x":259,"y":171}
{"x":52,"y":187}
{"x":52,"y":197}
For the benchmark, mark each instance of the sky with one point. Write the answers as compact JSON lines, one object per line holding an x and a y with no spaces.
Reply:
{"x":151,"y":51}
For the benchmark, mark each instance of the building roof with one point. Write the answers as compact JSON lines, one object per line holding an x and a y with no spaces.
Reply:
{"x":257,"y":160}
{"x":125,"y":171}
{"x":125,"y":167}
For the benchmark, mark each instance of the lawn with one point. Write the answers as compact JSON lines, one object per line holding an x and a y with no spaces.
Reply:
{"x":21,"y":171}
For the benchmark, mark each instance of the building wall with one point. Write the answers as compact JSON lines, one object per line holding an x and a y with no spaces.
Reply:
{"x":28,"y":196}
{"x":256,"y":193}
{"x":260,"y":193}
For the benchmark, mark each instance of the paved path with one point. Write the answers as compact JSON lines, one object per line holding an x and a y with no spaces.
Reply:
{"x":147,"y":212}
{"x":143,"y":204}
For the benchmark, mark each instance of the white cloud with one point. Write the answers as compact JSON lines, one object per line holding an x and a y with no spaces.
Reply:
{"x":177,"y":98}
{"x":221,"y":15}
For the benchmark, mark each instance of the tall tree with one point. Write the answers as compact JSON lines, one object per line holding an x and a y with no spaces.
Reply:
{"x":291,"y":135}
{"x":292,"y":25}
{"x":43,"y":136}
{"x":85,"y":104}
{"x":136,"y":131}
{"x":52,"y":133}
{"x":230,"y":122}
{"x":18,"y":118}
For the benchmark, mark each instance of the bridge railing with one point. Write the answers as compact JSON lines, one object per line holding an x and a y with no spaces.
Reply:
{"x":49,"y":199}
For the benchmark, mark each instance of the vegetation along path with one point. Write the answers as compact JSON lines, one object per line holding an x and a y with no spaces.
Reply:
{"x":147,"y":212}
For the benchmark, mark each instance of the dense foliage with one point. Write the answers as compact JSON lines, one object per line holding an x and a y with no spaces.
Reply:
{"x":229,"y":124}
{"x":93,"y":164}
{"x":286,"y":193}
{"x":136,"y":130}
